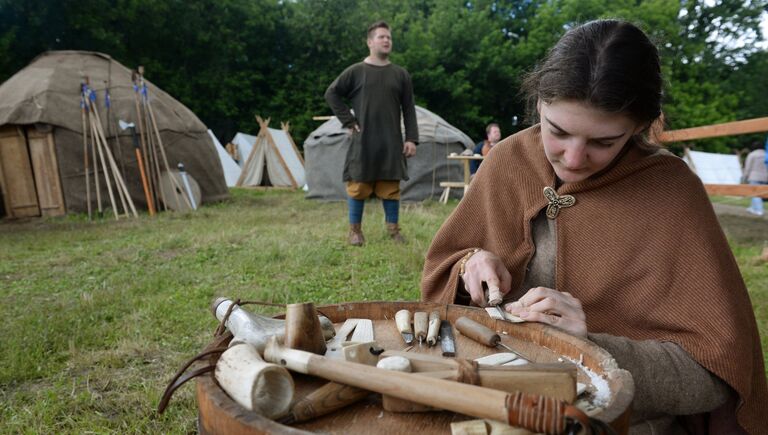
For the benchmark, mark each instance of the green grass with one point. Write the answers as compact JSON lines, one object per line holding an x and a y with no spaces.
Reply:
{"x":731,"y":200}
{"x":97,"y":316}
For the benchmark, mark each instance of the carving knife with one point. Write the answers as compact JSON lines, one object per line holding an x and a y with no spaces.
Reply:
{"x":484,"y":335}
{"x":403,"y":322}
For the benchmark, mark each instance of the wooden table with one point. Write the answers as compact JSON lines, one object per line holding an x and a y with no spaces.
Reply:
{"x":447,"y":185}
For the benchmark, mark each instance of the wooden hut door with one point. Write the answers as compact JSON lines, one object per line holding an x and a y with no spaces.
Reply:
{"x":46,"y":169}
{"x":18,"y":183}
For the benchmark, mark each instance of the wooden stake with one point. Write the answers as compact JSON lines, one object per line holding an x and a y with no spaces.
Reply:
{"x":103,"y":166}
{"x":116,"y":172}
{"x":140,"y":132}
{"x":85,"y":163}
{"x":100,"y":137}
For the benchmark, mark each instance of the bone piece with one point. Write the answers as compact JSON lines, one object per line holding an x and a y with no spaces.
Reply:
{"x":259,"y":386}
{"x":580,"y":388}
{"x":395,"y":364}
{"x":469,"y":427}
{"x":363,"y":331}
{"x":334,"y":347}
{"x":360,"y":353}
{"x":508,"y":317}
{"x":434,"y":328}
{"x":517,"y":362}
{"x":496,"y":359}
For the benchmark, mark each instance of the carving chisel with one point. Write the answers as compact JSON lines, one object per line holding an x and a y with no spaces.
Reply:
{"x":483,"y":334}
{"x":403,"y":322}
{"x":447,"y":343}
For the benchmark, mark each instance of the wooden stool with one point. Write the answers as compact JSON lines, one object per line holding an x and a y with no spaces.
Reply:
{"x":447,"y":185}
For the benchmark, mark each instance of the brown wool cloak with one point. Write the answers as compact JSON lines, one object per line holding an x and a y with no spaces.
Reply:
{"x":641,"y":249}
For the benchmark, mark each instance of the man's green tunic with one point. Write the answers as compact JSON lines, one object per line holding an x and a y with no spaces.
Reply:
{"x":377,"y":95}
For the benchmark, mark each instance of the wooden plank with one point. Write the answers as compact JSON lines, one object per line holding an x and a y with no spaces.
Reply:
{"x":17,"y":171}
{"x":738,"y":190}
{"x":46,"y":169}
{"x":756,"y":125}
{"x":452,"y":184}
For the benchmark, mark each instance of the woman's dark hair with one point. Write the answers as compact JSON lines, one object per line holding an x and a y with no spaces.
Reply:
{"x":608,"y":64}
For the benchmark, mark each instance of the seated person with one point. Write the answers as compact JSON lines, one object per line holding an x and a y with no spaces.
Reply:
{"x":492,"y":137}
{"x":587,"y":226}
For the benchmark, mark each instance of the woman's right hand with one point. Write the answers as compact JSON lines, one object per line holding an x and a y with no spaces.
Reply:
{"x":485,"y":266}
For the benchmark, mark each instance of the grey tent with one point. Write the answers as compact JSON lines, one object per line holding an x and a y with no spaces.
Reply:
{"x":41,"y":142}
{"x":326,"y":148}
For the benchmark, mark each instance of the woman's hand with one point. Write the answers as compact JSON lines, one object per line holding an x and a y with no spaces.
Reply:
{"x":545,"y":305}
{"x":485,"y":266}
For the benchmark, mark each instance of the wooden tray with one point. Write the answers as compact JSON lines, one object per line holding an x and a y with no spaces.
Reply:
{"x":218,"y":414}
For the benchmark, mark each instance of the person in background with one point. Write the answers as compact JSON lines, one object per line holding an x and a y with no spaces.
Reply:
{"x":587,"y":226}
{"x":755,"y":172}
{"x":492,"y":137}
{"x":379,"y":92}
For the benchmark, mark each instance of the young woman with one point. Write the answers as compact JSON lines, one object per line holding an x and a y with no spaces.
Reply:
{"x":587,"y":226}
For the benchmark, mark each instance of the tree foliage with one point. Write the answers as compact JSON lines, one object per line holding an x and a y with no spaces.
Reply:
{"x":229,"y":60}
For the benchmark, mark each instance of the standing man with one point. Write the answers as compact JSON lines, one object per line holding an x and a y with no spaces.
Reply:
{"x":755,"y":172}
{"x":379,"y":91}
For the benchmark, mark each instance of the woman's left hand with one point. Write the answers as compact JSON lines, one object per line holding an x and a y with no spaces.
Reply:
{"x":546,"y":305}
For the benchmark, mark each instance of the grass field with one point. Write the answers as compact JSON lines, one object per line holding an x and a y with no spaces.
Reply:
{"x":97,"y":316}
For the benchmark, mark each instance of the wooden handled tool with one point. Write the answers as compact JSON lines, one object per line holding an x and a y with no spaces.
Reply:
{"x":324,"y":400}
{"x":483,"y":334}
{"x":433,"y":328}
{"x":420,"y":325}
{"x":532,"y":412}
{"x":447,"y":343}
{"x":403,"y":322}
{"x":557,"y":380}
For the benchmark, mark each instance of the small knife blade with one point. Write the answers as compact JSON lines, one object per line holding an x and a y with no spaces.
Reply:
{"x":403,"y":323}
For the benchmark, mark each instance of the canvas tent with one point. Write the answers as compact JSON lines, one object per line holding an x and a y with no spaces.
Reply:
{"x":41,"y":143}
{"x":714,"y":168}
{"x":228,"y":165}
{"x":270,"y":158}
{"x":326,"y":148}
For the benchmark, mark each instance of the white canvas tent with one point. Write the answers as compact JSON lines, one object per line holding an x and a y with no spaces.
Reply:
{"x":326,"y":150}
{"x":231,"y":169}
{"x":714,"y":168}
{"x":273,"y":158}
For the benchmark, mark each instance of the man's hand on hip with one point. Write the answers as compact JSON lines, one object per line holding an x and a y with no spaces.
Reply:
{"x":409,"y":149}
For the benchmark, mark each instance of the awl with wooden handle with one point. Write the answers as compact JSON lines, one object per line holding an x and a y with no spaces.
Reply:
{"x":403,"y":322}
{"x":420,"y":326}
{"x":483,"y":334}
{"x":433,"y":328}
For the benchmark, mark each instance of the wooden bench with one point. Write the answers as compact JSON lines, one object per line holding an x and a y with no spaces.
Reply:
{"x":447,"y":185}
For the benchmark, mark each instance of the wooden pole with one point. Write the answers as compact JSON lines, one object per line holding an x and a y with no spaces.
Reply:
{"x":140,"y":127}
{"x":140,"y":162}
{"x":107,"y":152}
{"x":120,"y":182}
{"x":175,"y":182}
{"x":85,"y":160}
{"x":97,"y":143}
